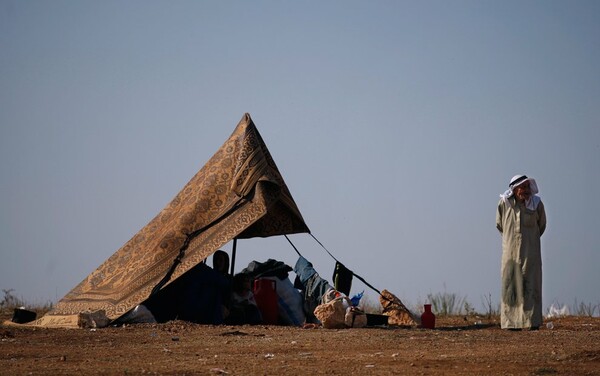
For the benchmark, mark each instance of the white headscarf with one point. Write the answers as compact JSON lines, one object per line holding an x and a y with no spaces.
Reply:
{"x":517,"y":180}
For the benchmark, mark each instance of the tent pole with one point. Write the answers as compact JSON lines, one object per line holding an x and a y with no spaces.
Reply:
{"x":233,"y":255}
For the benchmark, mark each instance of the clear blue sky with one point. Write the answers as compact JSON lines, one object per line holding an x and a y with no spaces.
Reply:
{"x":396,"y":125}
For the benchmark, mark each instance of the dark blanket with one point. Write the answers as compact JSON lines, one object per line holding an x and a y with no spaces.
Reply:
{"x":269,"y":268}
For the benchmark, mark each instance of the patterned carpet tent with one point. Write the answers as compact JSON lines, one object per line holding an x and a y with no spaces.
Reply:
{"x":238,"y":194}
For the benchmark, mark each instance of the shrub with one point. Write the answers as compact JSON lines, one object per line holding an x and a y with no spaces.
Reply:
{"x":370,"y":306}
{"x":10,"y":301}
{"x":445,"y":303}
{"x":492,"y":310}
{"x":585,"y":309}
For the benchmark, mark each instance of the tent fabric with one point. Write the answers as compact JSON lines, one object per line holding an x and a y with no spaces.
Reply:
{"x":239,"y":193}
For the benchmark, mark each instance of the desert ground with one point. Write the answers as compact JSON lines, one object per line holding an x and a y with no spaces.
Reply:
{"x":457,"y":346}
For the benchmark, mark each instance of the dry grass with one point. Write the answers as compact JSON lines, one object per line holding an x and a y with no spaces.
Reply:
{"x":10,"y":302}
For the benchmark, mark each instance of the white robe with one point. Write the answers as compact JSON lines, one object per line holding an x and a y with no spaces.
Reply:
{"x":521,"y":229}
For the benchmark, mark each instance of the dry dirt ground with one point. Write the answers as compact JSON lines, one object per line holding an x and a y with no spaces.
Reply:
{"x":458,"y":346}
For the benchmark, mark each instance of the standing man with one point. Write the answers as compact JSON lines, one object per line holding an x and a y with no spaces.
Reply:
{"x":521,"y":220}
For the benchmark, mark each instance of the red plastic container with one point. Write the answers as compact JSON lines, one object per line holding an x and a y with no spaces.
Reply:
{"x":265,"y":294}
{"x":427,"y":318}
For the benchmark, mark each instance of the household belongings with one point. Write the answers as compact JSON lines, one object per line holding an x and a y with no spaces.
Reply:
{"x":289,"y":300}
{"x":337,"y":312}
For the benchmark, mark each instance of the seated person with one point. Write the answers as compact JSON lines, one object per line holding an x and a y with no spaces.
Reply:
{"x":243,"y":308}
{"x":195,"y":296}
{"x":220,"y":262}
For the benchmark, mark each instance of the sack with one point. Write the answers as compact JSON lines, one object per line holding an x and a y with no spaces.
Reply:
{"x":95,"y":319}
{"x":339,"y":314}
{"x":396,"y":310}
{"x":355,"y":318}
{"x":332,"y":314}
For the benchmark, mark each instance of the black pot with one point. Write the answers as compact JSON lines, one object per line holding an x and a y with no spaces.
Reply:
{"x":376,"y":320}
{"x":22,"y":316}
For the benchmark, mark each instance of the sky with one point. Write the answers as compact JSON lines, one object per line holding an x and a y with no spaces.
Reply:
{"x":396,"y":125}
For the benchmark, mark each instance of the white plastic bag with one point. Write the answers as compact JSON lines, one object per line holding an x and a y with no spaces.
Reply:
{"x":556,"y":310}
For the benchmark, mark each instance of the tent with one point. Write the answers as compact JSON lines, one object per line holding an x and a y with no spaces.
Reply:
{"x":238,"y":194}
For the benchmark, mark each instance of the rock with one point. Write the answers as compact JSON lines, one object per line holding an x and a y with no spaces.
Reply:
{"x":89,"y":319}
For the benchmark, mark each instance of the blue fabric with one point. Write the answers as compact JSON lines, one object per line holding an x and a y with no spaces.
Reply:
{"x":314,"y":287}
{"x":304,"y":269}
